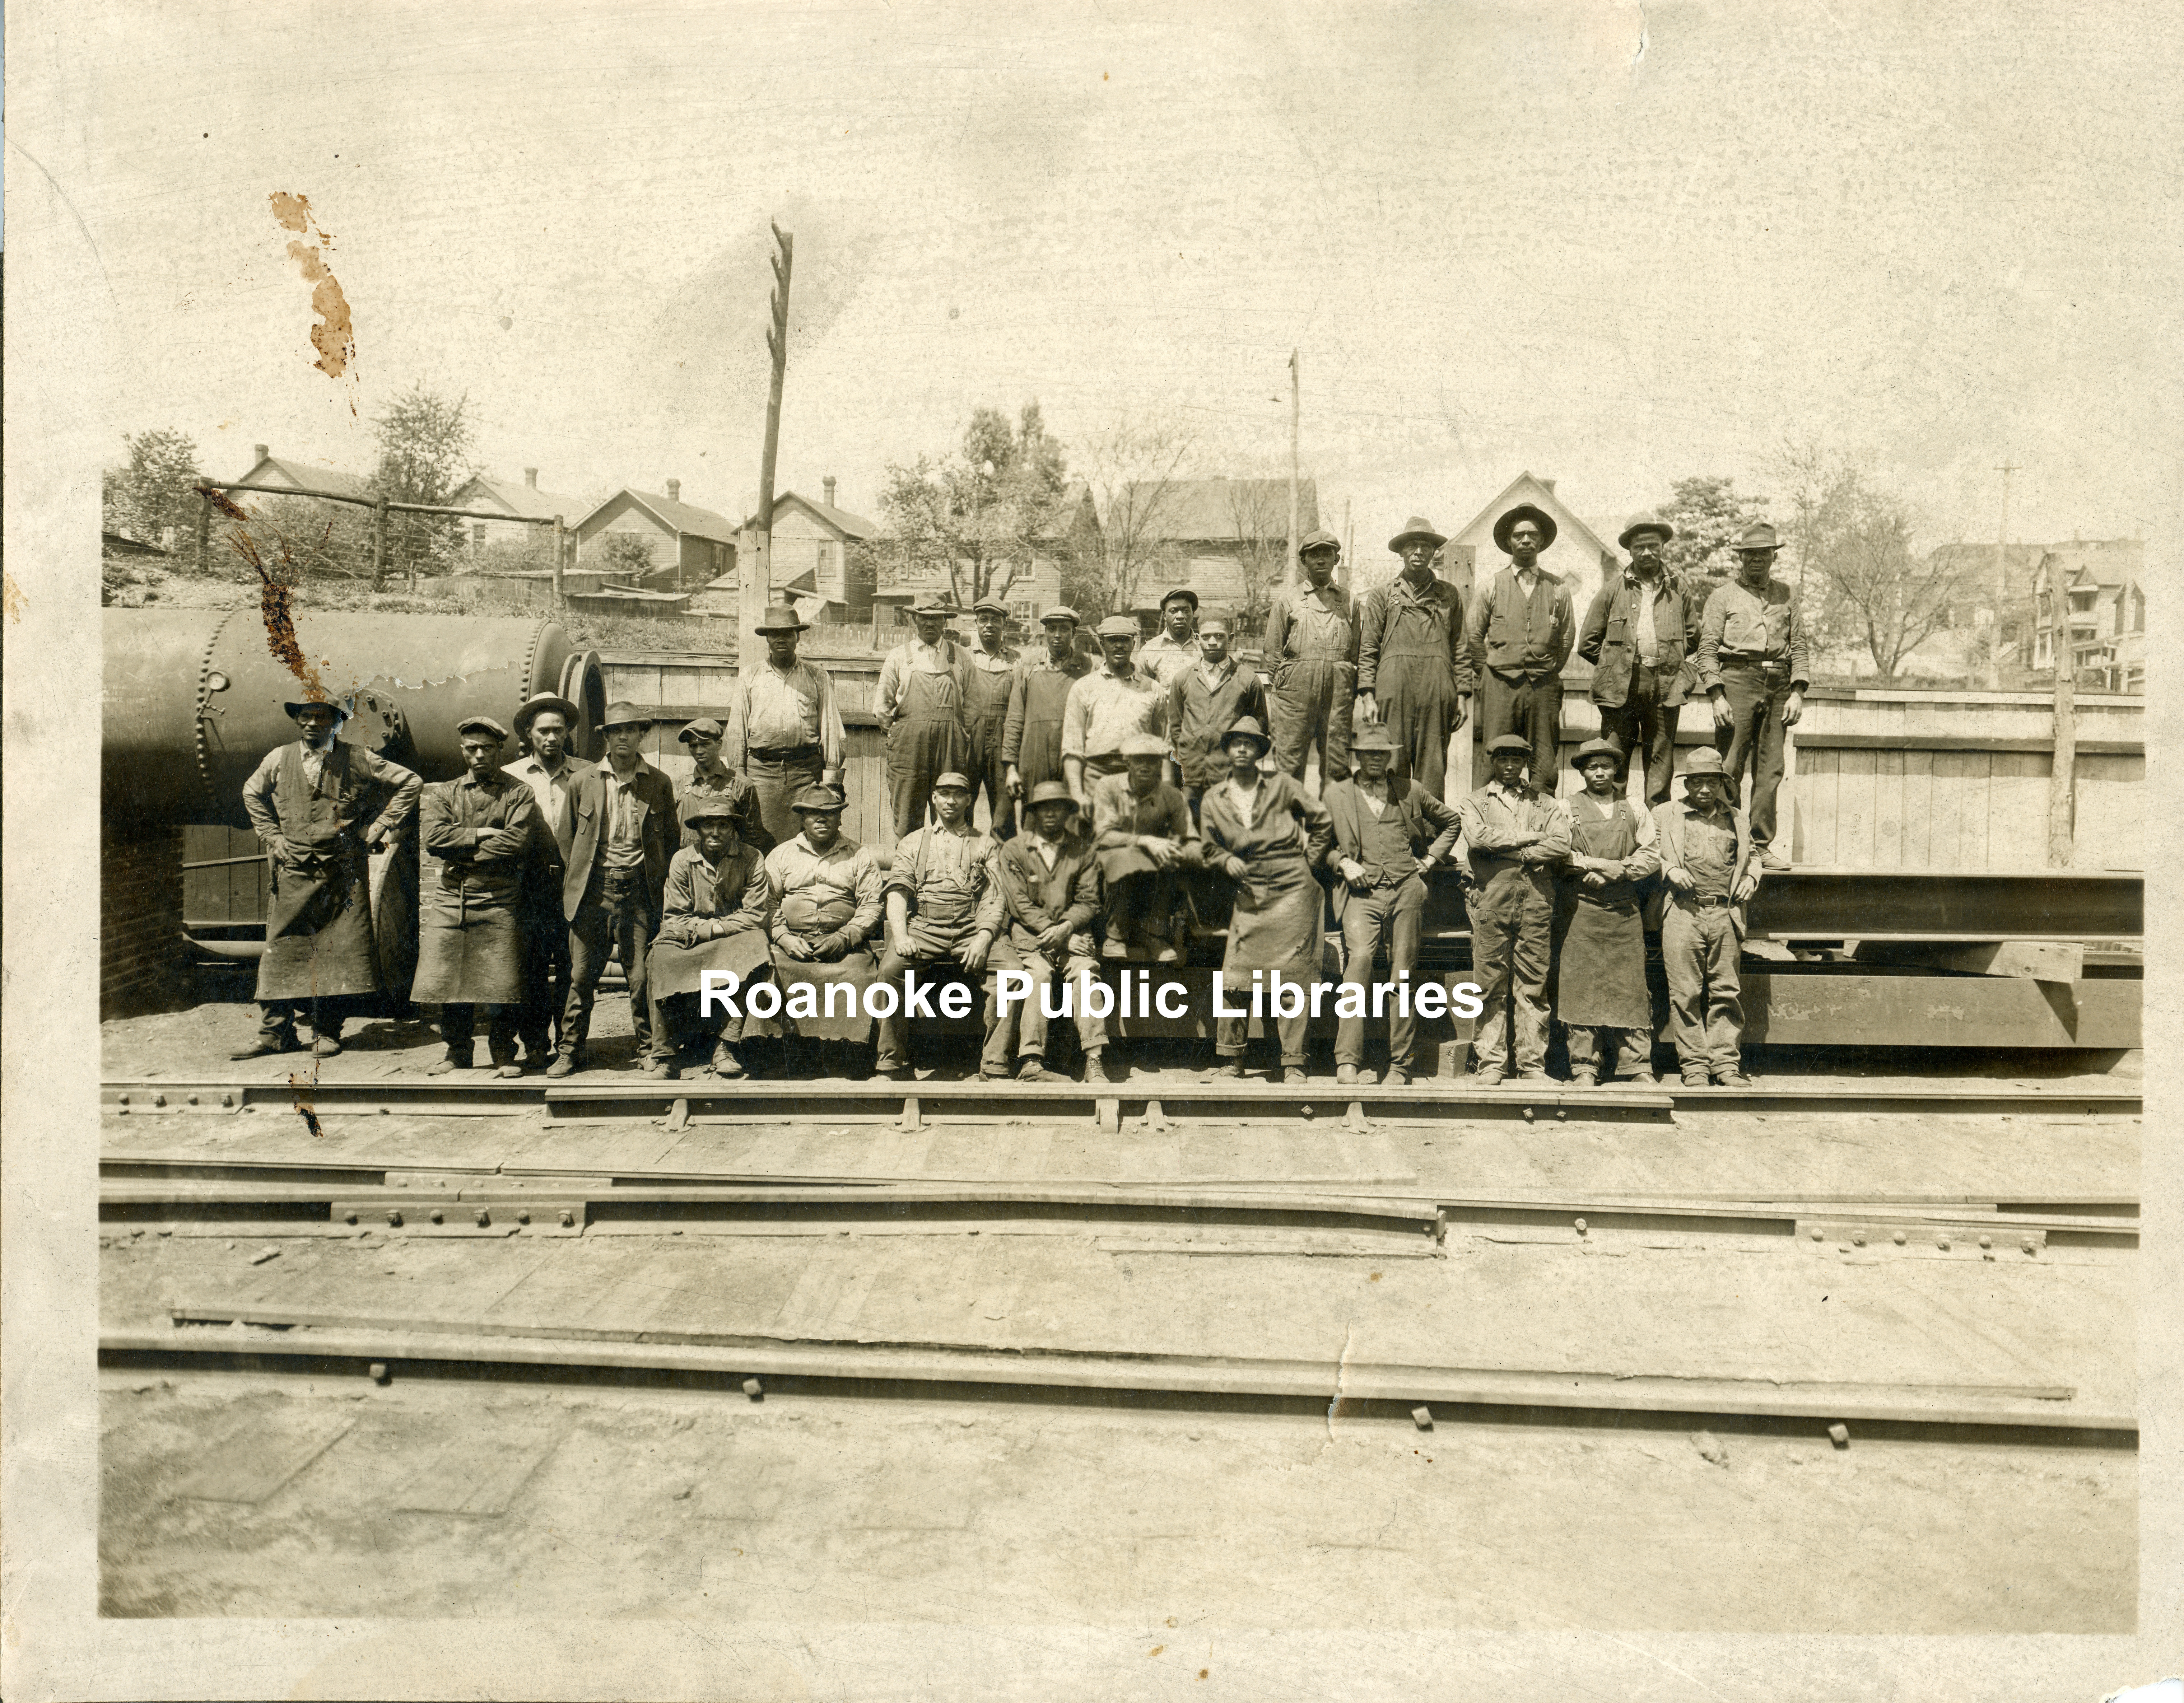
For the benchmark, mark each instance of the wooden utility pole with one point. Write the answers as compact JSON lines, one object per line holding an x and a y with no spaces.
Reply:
{"x":204,"y":532}
{"x":2062,"y":769}
{"x":2001,"y":582}
{"x":755,"y":574}
{"x":1294,"y":418}
{"x":557,"y":562}
{"x":378,"y":543}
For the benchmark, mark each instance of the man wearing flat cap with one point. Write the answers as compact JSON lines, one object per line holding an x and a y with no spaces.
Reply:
{"x":1105,"y":707}
{"x":1521,"y":633}
{"x":1311,"y":665}
{"x":1638,"y":634}
{"x":1755,"y":661}
{"x":477,"y":842}
{"x":320,"y":807}
{"x":617,"y":869}
{"x":712,"y":778}
{"x":1038,"y":696}
{"x":1413,"y":665}
{"x":829,"y":896}
{"x":923,"y":695}
{"x":784,"y":732}
{"x":715,"y":915}
{"x":544,"y":727}
{"x":943,"y":910}
{"x":993,"y":671}
{"x":1174,"y":648}
{"x":1516,"y":836}
{"x":1204,"y":702}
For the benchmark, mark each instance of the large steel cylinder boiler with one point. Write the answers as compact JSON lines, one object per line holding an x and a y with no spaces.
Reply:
{"x":193,"y":696}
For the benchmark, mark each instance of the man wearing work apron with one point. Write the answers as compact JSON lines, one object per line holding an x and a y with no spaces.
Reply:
{"x":320,"y":807}
{"x":924,"y":688}
{"x":1413,"y":666}
{"x":1311,"y":668}
{"x":993,"y":662}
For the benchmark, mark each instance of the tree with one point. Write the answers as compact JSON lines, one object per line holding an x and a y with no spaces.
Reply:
{"x":425,"y":443}
{"x":1135,"y":470}
{"x":156,"y":490}
{"x":627,"y":553}
{"x":1707,"y":512}
{"x":980,"y":516}
{"x":1873,"y":590}
{"x":1259,"y":510}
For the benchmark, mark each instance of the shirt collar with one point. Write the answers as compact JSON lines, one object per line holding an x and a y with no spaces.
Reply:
{"x":1129,"y":673}
{"x":1521,"y":792}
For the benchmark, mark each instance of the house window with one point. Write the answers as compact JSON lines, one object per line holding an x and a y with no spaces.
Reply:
{"x":2137,"y":609}
{"x":477,"y":534}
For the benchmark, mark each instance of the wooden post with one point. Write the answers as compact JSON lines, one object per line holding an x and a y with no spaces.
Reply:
{"x":204,"y":533}
{"x":1295,"y":567}
{"x":2001,"y":583}
{"x":560,"y":550}
{"x":2062,"y":771}
{"x":755,"y":576}
{"x":378,"y":543}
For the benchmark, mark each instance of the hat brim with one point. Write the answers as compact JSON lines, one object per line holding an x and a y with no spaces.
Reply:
{"x":766,"y":626}
{"x":341,"y":710}
{"x":1507,"y":524}
{"x":530,"y":712}
{"x":626,"y":722}
{"x":1665,"y":531}
{"x":1068,"y":804}
{"x":1264,"y":743}
{"x":805,"y":810}
{"x":1401,"y":539}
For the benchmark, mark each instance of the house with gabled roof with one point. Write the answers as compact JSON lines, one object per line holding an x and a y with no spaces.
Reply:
{"x":268,"y":469}
{"x":689,"y":547}
{"x":2105,"y":581}
{"x":1227,"y":539}
{"x":816,"y":559}
{"x":1579,"y":554}
{"x":521,"y":502}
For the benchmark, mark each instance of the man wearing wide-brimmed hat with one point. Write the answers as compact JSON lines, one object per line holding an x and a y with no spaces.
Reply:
{"x":1413,"y":666}
{"x":1310,"y":667}
{"x":610,"y":893}
{"x":476,"y":835}
{"x":545,"y":727}
{"x":1754,"y":662}
{"x":784,"y":732}
{"x":1038,"y":696}
{"x":922,"y":700}
{"x":1105,"y":707}
{"x":716,"y":914}
{"x":944,"y":912}
{"x":993,"y":670}
{"x":1515,"y":837}
{"x":1599,"y":938}
{"x":830,"y":897}
{"x":1521,"y":631}
{"x":1388,"y":833}
{"x":1709,"y":867}
{"x":1049,"y":880}
{"x":320,"y":807}
{"x":1174,"y":648}
{"x":1638,"y":634}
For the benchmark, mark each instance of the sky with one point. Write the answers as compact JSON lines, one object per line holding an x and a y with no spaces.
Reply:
{"x":1609,"y":244}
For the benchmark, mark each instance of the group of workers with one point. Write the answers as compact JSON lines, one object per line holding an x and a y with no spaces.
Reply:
{"x":1131,"y":804}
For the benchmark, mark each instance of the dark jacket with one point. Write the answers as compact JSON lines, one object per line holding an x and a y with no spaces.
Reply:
{"x":662,"y":834}
{"x":1039,"y":898}
{"x":1608,"y":640}
{"x":1430,"y":825}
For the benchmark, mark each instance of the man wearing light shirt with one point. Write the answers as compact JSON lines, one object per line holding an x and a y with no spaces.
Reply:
{"x":543,"y":726}
{"x":784,"y":733}
{"x":1173,"y":650}
{"x":1105,"y":708}
{"x":923,"y":694}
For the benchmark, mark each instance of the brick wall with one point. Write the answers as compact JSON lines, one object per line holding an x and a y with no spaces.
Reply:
{"x":142,"y":959}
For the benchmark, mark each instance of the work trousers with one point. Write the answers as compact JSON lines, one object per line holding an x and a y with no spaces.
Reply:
{"x":1533,"y":710}
{"x":1754,"y":741}
{"x":545,"y":969}
{"x":1387,"y":918}
{"x":459,"y":1029}
{"x":1642,"y":723}
{"x":1150,"y":903}
{"x":1023,"y":1031}
{"x":988,"y":774}
{"x":277,"y":1017}
{"x":777,"y":782}
{"x":617,"y":914}
{"x":893,"y":1031}
{"x":919,"y":750}
{"x":1312,"y":710}
{"x":1231,"y":1035}
{"x":1699,"y":950}
{"x":1597,"y":1050}
{"x":1513,"y":919}
{"x":679,"y":1019}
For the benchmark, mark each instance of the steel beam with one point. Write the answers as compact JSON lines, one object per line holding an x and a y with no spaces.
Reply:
{"x":1822,"y":1009}
{"x":1942,"y":905}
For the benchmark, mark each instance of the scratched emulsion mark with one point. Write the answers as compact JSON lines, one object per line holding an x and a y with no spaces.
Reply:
{"x":11,"y":600}
{"x":276,"y":585}
{"x":334,"y":337}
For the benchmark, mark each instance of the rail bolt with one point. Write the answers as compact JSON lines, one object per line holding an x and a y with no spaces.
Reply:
{"x":524,"y":1216}
{"x":122,"y":1099}
{"x":1580,"y":1227}
{"x":1943,"y":1244}
{"x":1986,"y":1241}
{"x":348,"y":1217}
{"x":1528,"y":1114}
{"x":394,"y":1219}
{"x":1816,"y":1235}
{"x":193,"y":1099}
{"x":438,"y":1217}
{"x":2030,"y":1245}
{"x":227,"y":1099}
{"x":484,"y":1216}
{"x":1899,"y":1238}
{"x":568,"y":1218}
{"x":1858,"y":1239}
{"x":158,"y":1099}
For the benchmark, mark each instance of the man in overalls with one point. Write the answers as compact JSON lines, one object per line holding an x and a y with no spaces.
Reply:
{"x":1413,"y":666}
{"x":1514,"y":837}
{"x":1039,"y":693}
{"x":320,"y":807}
{"x":1520,"y":633}
{"x":1311,"y":665}
{"x":1599,"y":938}
{"x":943,"y":910}
{"x":1708,"y":872}
{"x":993,"y":670}
{"x":923,"y":690}
{"x":1755,"y":662}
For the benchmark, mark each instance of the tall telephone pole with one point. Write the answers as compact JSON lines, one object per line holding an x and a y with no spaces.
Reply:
{"x":756,"y":574}
{"x":1294,"y":416}
{"x":2001,"y":582}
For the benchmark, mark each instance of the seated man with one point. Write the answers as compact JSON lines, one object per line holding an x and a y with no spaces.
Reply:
{"x":944,"y":909}
{"x":827,"y":902}
{"x":1144,"y":834}
{"x":715,"y":916}
{"x":1050,"y":882}
{"x":1387,"y":835}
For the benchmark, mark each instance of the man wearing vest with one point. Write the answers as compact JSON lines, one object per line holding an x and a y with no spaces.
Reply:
{"x":923,"y":692}
{"x":1754,"y":664}
{"x":1311,"y":672}
{"x":1599,"y":939}
{"x":943,"y":910}
{"x":1638,"y":634}
{"x":1413,"y":665}
{"x":321,"y":808}
{"x":993,"y":671}
{"x":617,"y":870}
{"x":1515,"y":837}
{"x":1388,"y":833}
{"x":1039,"y":694}
{"x":1106,"y":707}
{"x":542,"y":728}
{"x":1521,"y":634}
{"x":1708,"y":872}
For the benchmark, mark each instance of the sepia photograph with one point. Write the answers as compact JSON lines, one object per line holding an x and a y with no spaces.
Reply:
{"x":959,"y":851}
